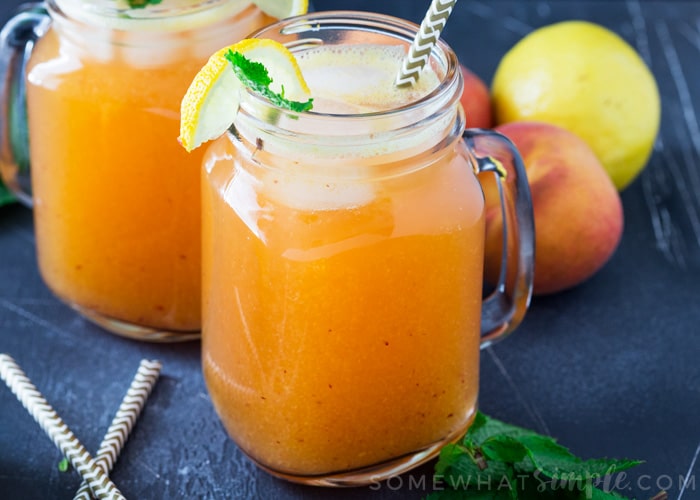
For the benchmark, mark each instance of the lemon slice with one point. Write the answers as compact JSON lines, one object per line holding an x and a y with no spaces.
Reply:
{"x":283,"y":8}
{"x":211,"y":103}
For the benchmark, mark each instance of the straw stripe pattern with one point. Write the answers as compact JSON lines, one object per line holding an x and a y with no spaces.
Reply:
{"x":428,"y":35}
{"x":51,"y":423}
{"x":120,"y":428}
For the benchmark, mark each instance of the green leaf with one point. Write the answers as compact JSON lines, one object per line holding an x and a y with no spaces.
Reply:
{"x":512,"y":484}
{"x":142,"y":4}
{"x":504,"y":449}
{"x":489,"y":427}
{"x":255,"y":76}
{"x":5,"y":195}
{"x":598,"y":494}
{"x":449,"y":454}
{"x":463,"y":471}
{"x":466,"y":473}
{"x":558,"y":462}
{"x":64,"y":465}
{"x":480,"y":420}
{"x":534,"y":487}
{"x":498,"y":461}
{"x":468,"y":495}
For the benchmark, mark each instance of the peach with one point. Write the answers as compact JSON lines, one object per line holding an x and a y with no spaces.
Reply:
{"x":475,"y":100}
{"x":578,"y":212}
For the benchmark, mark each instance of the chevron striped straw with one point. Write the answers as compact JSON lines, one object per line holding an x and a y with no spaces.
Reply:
{"x":124,"y":420}
{"x":60,"y":434}
{"x":427,"y":36}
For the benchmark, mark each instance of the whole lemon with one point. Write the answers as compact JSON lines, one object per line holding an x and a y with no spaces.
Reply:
{"x":584,"y":78}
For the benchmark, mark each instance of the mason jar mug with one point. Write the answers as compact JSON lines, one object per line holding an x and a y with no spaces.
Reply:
{"x":343,"y":256}
{"x":115,"y":198}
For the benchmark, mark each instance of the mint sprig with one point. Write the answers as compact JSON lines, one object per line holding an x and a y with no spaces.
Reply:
{"x":499,"y":461}
{"x":142,"y":4}
{"x":254,"y":75}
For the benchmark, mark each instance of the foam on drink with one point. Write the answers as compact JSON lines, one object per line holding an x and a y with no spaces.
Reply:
{"x":353,"y":79}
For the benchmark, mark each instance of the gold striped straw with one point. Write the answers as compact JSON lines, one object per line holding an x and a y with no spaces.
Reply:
{"x":426,"y":38}
{"x":60,"y":434}
{"x":124,"y":420}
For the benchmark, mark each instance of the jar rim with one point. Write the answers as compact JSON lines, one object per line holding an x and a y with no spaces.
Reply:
{"x":165,"y":16}
{"x":401,"y":29}
{"x":419,"y":125}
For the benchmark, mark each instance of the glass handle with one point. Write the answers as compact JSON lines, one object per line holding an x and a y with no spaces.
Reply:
{"x":17,"y":40}
{"x":505,"y":307}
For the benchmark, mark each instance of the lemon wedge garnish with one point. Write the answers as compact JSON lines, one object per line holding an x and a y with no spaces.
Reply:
{"x":211,"y":102}
{"x":283,"y":8}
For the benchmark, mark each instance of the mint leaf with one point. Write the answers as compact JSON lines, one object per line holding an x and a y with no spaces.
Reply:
{"x":531,"y":487}
{"x":489,"y":427}
{"x":254,"y":75}
{"x":470,"y":495}
{"x":450,"y":454}
{"x":498,"y":461}
{"x":5,"y":195}
{"x":504,"y":448}
{"x":142,"y":4}
{"x":602,"y":495}
{"x":464,"y":472}
{"x":558,"y":462}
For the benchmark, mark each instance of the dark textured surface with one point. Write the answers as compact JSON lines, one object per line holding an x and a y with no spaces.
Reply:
{"x":611,"y":368}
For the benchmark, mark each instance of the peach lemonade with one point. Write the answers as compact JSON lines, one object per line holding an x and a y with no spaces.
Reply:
{"x":343,"y":246}
{"x":116,"y":198}
{"x":342,"y":271}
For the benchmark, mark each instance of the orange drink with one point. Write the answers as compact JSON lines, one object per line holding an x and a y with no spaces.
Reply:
{"x":342,"y":262}
{"x":343,"y":336}
{"x":116,"y":199}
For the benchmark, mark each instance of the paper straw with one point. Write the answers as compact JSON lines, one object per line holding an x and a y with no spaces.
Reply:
{"x":60,"y":434}
{"x":427,"y":36}
{"x":124,"y":420}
